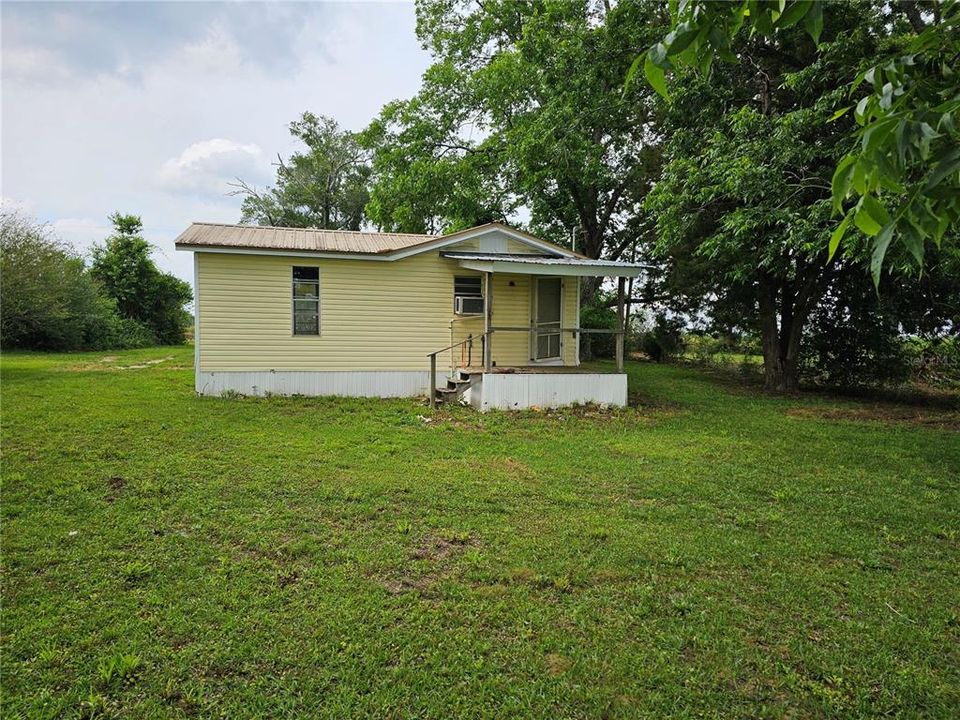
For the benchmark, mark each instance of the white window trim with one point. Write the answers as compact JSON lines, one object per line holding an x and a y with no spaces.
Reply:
{"x":293,"y":305}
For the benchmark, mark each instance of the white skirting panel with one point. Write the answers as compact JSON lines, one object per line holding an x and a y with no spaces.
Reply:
{"x":359,"y":383}
{"x":516,"y":391}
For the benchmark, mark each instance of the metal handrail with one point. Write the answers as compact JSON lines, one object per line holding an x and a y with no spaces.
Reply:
{"x":539,"y":330}
{"x":433,"y":362}
{"x":608,"y":331}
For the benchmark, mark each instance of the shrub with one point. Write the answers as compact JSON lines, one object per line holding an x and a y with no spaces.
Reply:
{"x":854,"y":344}
{"x":142,"y":293}
{"x":48,"y":300}
{"x":664,"y":340}
{"x":598,"y":317}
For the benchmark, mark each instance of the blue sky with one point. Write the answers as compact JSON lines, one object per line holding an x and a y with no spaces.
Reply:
{"x":152,"y":108}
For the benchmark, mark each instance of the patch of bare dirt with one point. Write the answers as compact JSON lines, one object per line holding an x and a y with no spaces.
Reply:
{"x":285,"y":579}
{"x":436,"y":547}
{"x":145,"y":364}
{"x":438,"y":550}
{"x":105,"y":363}
{"x":115,"y":484}
{"x":557,"y":664}
{"x":398,"y":586}
{"x":888,"y":414}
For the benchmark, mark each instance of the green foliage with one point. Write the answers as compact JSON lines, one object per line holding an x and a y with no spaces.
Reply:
{"x":324,"y":186}
{"x":743,"y":204}
{"x":664,"y":340}
{"x":598,"y":315}
{"x":142,"y":293}
{"x":48,"y":299}
{"x":554,"y":565}
{"x":118,"y":668}
{"x":853,"y":342}
{"x":908,"y":157}
{"x":936,"y":361}
{"x":905,"y":170}
{"x":523,"y":106}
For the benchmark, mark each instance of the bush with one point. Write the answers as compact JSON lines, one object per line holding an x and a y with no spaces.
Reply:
{"x":48,"y":301}
{"x":936,"y":361}
{"x":109,"y":331}
{"x":142,"y":293}
{"x":598,"y":317}
{"x":854,"y":344}
{"x":664,"y":340}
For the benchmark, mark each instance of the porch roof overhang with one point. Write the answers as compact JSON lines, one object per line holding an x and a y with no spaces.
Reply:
{"x":543,"y":265}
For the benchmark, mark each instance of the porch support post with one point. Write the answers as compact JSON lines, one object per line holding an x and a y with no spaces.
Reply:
{"x":621,"y":323}
{"x":488,"y":322}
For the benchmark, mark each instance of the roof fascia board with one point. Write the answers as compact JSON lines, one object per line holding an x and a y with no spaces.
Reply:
{"x":519,"y":268}
{"x":285,"y":253}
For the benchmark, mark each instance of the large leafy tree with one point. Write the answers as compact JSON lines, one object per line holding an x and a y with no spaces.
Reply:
{"x":903,"y":165}
{"x":744,"y":207}
{"x":123,"y":266}
{"x":523,"y":108}
{"x":324,"y":185}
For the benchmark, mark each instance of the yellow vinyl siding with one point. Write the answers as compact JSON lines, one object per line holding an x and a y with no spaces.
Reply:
{"x":374,"y":315}
{"x":571,"y":289}
{"x":512,"y":307}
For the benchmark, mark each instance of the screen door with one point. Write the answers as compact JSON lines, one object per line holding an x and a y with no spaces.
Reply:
{"x":547,"y":301}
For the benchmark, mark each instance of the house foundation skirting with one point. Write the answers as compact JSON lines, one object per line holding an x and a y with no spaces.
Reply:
{"x":516,"y":391}
{"x":349,"y":383}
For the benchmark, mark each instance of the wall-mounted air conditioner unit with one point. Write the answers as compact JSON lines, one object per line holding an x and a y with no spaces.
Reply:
{"x":467,"y":305}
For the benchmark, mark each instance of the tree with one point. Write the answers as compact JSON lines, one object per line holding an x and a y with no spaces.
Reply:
{"x":904,"y":168}
{"x":523,"y":107}
{"x":324,"y":187}
{"x":48,"y":299}
{"x":124,"y":268}
{"x":744,"y":205}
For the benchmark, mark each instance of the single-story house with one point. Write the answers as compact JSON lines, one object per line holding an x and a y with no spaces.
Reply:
{"x":491,"y":314}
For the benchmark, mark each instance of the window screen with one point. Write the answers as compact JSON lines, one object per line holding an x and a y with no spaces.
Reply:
{"x":306,"y":301}
{"x":467,"y":286}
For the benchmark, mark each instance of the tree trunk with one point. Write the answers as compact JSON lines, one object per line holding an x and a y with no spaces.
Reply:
{"x":781,"y":342}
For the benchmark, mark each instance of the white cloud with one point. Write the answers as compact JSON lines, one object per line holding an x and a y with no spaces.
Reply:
{"x":206,"y":167}
{"x":34,"y":64}
{"x":167,"y":102}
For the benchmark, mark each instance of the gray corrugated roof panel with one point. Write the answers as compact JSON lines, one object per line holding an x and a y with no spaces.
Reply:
{"x":539,"y":260}
{"x":258,"y":237}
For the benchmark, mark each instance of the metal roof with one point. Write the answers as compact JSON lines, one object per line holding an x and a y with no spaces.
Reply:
{"x":540,"y":259}
{"x":544,"y":265}
{"x":260,"y":237}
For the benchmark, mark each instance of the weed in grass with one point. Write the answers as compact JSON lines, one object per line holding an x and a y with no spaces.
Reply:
{"x":94,"y":705}
{"x":454,"y":537}
{"x":50,"y":654}
{"x":135,"y":572}
{"x":118,"y":668}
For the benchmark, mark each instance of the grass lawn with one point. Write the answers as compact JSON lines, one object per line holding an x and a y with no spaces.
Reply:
{"x":708,"y":553}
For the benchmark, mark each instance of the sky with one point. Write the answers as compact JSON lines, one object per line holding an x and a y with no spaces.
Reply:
{"x":153,"y":108}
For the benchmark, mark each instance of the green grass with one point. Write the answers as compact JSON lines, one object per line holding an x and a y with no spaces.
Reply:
{"x":708,"y":553}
